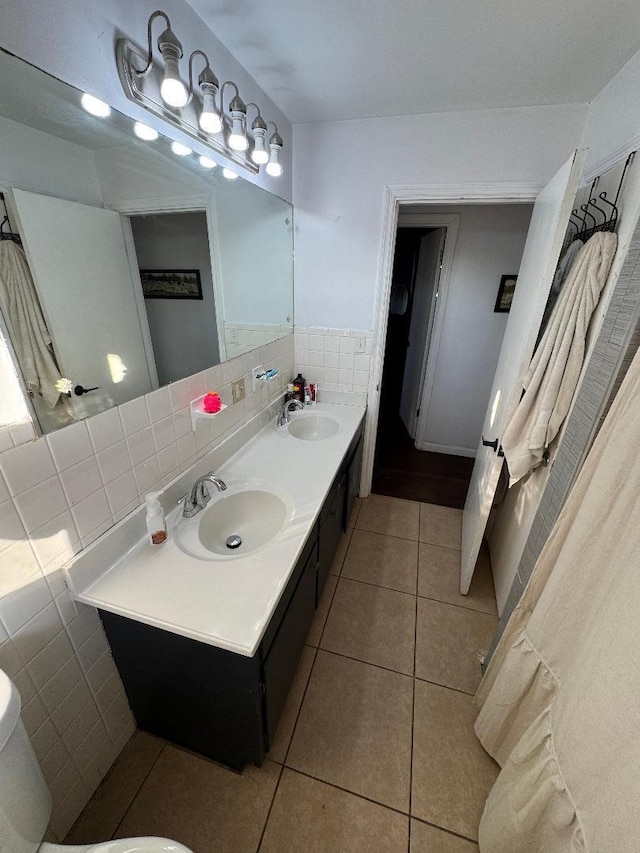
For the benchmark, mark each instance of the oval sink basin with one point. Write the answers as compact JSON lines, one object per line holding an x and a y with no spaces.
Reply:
{"x":313,"y":427}
{"x":237,"y":522}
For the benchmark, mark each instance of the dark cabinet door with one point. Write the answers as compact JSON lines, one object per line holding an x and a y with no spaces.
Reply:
{"x":282,"y":659}
{"x":331,"y":530}
{"x":353,"y":478}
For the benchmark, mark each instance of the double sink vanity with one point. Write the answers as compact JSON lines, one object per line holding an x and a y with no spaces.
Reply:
{"x":207,"y":637}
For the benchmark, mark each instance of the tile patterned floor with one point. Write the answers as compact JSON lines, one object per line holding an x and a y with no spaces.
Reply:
{"x":375,"y":752}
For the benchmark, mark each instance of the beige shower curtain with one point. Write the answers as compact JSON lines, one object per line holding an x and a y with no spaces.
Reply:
{"x":560,"y":702}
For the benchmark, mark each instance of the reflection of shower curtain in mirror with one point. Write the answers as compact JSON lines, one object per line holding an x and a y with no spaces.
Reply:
{"x":26,"y":324}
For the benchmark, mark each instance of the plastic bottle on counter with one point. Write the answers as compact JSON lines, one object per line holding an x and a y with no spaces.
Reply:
{"x":156,"y":524}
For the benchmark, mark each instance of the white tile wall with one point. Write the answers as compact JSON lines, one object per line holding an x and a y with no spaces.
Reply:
{"x":337,"y":359}
{"x":240,"y":338}
{"x":58,"y":494}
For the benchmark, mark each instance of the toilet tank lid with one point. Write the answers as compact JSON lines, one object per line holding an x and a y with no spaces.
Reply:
{"x":9,"y":708}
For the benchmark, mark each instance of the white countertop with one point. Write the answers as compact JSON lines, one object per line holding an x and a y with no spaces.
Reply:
{"x":226,"y":603}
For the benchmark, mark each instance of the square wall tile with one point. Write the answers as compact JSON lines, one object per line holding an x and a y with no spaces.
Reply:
{"x":159,"y":405}
{"x":40,"y":504}
{"x":26,"y":466}
{"x":114,"y":461}
{"x":105,"y":429}
{"x":122,"y":492}
{"x":141,"y":446}
{"x":134,"y":416}
{"x":91,"y":513}
{"x":81,"y":480}
{"x":11,"y":528}
{"x":70,"y":445}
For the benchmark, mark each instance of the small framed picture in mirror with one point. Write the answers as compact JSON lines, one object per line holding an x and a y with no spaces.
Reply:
{"x":505,"y":294}
{"x":171,"y":284}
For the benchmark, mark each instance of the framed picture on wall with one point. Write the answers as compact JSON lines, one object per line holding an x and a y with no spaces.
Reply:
{"x":505,"y":294}
{"x":171,"y":284}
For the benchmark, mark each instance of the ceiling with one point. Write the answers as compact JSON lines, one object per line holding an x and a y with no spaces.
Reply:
{"x":325,"y":60}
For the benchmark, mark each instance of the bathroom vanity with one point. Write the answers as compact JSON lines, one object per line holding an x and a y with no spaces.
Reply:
{"x":207,"y":649}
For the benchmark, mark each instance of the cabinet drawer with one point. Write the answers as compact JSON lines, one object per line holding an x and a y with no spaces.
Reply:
{"x":282,"y":660}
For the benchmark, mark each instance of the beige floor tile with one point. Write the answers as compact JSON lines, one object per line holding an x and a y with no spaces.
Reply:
{"x":317,"y":626}
{"x":441,"y":525}
{"x":341,"y":553}
{"x":382,"y":560}
{"x":452,"y":774}
{"x":450,"y":641}
{"x":310,"y":816}
{"x":392,"y":516}
{"x":428,"y":839}
{"x":108,"y":805}
{"x":372,"y":624}
{"x":354,"y":729}
{"x":439,"y":578}
{"x":355,"y":512}
{"x":289,"y":715}
{"x":202,"y":805}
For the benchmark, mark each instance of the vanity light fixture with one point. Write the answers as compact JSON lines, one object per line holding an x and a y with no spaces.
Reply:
{"x":196,"y":109}
{"x":207,"y":163}
{"x":143,"y":131}
{"x":180,"y":149}
{"x":95,"y":106}
{"x":229,"y":174}
{"x":274,"y":166}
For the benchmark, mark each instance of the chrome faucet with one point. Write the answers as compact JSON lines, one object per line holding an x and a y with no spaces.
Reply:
{"x":199,"y":497}
{"x":285,"y":413}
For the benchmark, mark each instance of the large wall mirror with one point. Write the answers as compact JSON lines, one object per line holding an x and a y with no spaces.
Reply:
{"x":124,"y":265}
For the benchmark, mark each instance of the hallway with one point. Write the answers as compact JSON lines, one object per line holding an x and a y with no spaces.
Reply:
{"x":375,"y":750}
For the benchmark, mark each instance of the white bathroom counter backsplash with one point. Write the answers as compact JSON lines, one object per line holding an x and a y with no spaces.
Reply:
{"x":226,"y":603}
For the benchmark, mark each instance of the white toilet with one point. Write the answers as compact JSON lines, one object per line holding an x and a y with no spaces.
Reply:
{"x":25,"y":800}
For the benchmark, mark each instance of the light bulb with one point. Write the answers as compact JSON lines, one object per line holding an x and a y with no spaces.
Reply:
{"x":180,"y":149}
{"x":259,"y":155}
{"x":274,"y":169}
{"x":206,"y":163}
{"x":95,"y":106}
{"x":238,"y":141}
{"x":174,"y":92}
{"x":210,"y":120}
{"x":229,"y":173}
{"x":143,"y":131}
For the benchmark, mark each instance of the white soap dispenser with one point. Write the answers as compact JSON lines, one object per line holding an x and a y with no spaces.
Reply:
{"x":156,"y":524}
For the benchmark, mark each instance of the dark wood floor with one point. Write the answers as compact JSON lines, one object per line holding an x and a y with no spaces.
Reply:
{"x":401,"y":471}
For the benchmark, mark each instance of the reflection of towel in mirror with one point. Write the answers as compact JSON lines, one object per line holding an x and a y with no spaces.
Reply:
{"x":550,"y":382}
{"x":26,"y":325}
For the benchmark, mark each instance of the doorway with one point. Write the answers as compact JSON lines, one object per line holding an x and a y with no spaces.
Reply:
{"x":174,"y":258}
{"x":442,"y":345}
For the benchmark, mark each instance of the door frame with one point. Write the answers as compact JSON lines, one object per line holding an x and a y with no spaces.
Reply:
{"x":450,"y":222}
{"x":396,"y":195}
{"x":182,"y":204}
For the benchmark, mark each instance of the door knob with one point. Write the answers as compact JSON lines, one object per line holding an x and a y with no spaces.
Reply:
{"x":495,"y":444}
{"x":79,"y":390}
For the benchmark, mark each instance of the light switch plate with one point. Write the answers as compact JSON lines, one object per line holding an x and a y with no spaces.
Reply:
{"x":237,"y":390}
{"x":361,"y":343}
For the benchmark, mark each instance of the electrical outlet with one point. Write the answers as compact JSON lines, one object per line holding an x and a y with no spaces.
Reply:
{"x":237,"y":390}
{"x":361,"y":343}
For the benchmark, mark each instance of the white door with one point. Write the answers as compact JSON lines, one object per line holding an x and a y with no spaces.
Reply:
{"x":542,"y":249}
{"x":80,"y":268}
{"x":422,"y":312}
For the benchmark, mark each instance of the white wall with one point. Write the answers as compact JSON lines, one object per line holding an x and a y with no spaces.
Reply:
{"x":183,"y":331}
{"x":36,"y":161}
{"x":490,"y":243}
{"x":75,"y":41}
{"x":342,"y":168}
